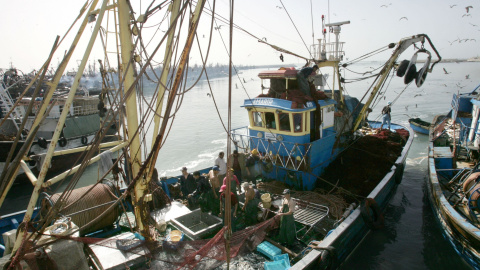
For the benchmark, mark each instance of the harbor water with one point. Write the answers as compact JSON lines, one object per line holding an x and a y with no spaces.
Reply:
{"x":411,"y":238}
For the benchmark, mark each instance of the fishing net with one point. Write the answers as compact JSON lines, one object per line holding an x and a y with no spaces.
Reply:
{"x":366,"y":162}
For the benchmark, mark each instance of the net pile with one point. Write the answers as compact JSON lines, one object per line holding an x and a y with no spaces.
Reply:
{"x":360,"y":167}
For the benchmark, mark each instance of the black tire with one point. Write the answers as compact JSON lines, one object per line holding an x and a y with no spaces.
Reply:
{"x":62,"y":142}
{"x":84,"y":140}
{"x":421,"y":76}
{"x":42,"y":142}
{"x":402,"y":68}
{"x":371,"y":214}
{"x":411,"y":74}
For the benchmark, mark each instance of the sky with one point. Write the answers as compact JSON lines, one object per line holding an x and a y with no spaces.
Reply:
{"x":29,"y":28}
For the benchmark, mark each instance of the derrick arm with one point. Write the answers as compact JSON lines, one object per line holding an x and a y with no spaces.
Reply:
{"x":402,"y":46}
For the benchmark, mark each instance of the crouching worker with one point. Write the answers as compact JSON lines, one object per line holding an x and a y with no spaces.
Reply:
{"x":203,"y":195}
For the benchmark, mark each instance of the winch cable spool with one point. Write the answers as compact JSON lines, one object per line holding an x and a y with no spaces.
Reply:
{"x":83,"y":205}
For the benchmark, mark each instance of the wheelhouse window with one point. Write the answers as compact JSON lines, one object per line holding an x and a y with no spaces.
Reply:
{"x":298,"y":122}
{"x":270,"y":120}
{"x":257,"y":119}
{"x":284,"y":120}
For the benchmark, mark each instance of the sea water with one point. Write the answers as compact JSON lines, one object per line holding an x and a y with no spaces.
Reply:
{"x":411,"y":238}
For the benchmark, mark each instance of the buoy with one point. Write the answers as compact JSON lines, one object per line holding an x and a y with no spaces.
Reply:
{"x":371,"y":214}
{"x":42,"y":142}
{"x":402,"y":68}
{"x":84,"y":140}
{"x":62,"y":142}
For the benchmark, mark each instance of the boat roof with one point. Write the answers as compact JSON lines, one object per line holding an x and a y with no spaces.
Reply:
{"x":284,"y":104}
{"x":282,"y":73}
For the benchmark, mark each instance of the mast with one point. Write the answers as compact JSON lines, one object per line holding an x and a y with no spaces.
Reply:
{"x":127,"y":67}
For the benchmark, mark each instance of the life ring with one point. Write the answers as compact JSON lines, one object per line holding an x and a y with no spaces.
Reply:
{"x":371,"y":214}
{"x":42,"y":142}
{"x":84,"y":140}
{"x":62,"y":142}
{"x":402,"y":68}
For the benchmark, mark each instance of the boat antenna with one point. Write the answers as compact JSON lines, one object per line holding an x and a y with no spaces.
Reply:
{"x":311,"y":15}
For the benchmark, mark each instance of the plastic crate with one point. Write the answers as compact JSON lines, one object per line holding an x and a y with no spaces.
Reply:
{"x":268,"y":250}
{"x":276,"y":265}
{"x":282,"y":257}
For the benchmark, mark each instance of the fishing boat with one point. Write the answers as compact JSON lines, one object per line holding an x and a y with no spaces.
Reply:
{"x":307,"y":134}
{"x":18,"y":115}
{"x":453,"y":185}
{"x":419,"y":126}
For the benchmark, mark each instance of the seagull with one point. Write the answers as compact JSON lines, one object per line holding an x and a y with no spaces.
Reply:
{"x":218,"y":28}
{"x":417,"y":95}
{"x":384,"y":6}
{"x":403,"y":18}
{"x":474,"y":25}
{"x":281,"y":57}
{"x":244,"y":80}
{"x":264,"y":38}
{"x":446,"y":72}
{"x":468,"y":8}
{"x":208,"y":94}
{"x":467,"y":76}
{"x":452,"y":6}
{"x":279,"y":7}
{"x":466,"y":15}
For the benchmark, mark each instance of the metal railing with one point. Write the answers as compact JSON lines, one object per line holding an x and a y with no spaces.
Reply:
{"x":280,"y":153}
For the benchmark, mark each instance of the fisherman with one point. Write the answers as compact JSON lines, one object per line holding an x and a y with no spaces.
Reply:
{"x":287,"y":222}
{"x":250,"y":206}
{"x":302,"y":78}
{"x":215,"y":183}
{"x":222,"y":165}
{"x":234,"y":183}
{"x":187,"y":182}
{"x":250,"y":162}
{"x":237,"y":162}
{"x":203,"y":195}
{"x":233,"y":204}
{"x":386,"y":115}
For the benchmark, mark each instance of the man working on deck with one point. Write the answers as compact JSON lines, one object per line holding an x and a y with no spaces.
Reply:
{"x":215,"y":183}
{"x":187,"y":183}
{"x":237,"y":162}
{"x":233,"y":204}
{"x":287,"y":222}
{"x":386,"y":115}
{"x":234,"y":183}
{"x":302,"y":78}
{"x":203,"y":194}
{"x":250,"y":162}
{"x":222,"y":165}
{"x":250,"y":206}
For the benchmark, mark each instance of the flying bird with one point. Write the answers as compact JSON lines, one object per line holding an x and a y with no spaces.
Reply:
{"x":403,"y":18}
{"x":474,"y":25}
{"x":467,"y":76}
{"x":452,"y":6}
{"x":468,"y":8}
{"x":384,"y":6}
{"x":446,"y":72}
{"x":466,"y":15}
{"x":279,"y":7}
{"x":218,"y":28}
{"x":281,"y":57}
{"x":264,"y":38}
{"x":208,"y":94}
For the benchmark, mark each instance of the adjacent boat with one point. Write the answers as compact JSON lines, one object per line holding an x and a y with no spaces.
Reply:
{"x":453,"y":182}
{"x":309,"y":133}
{"x":419,"y":126}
